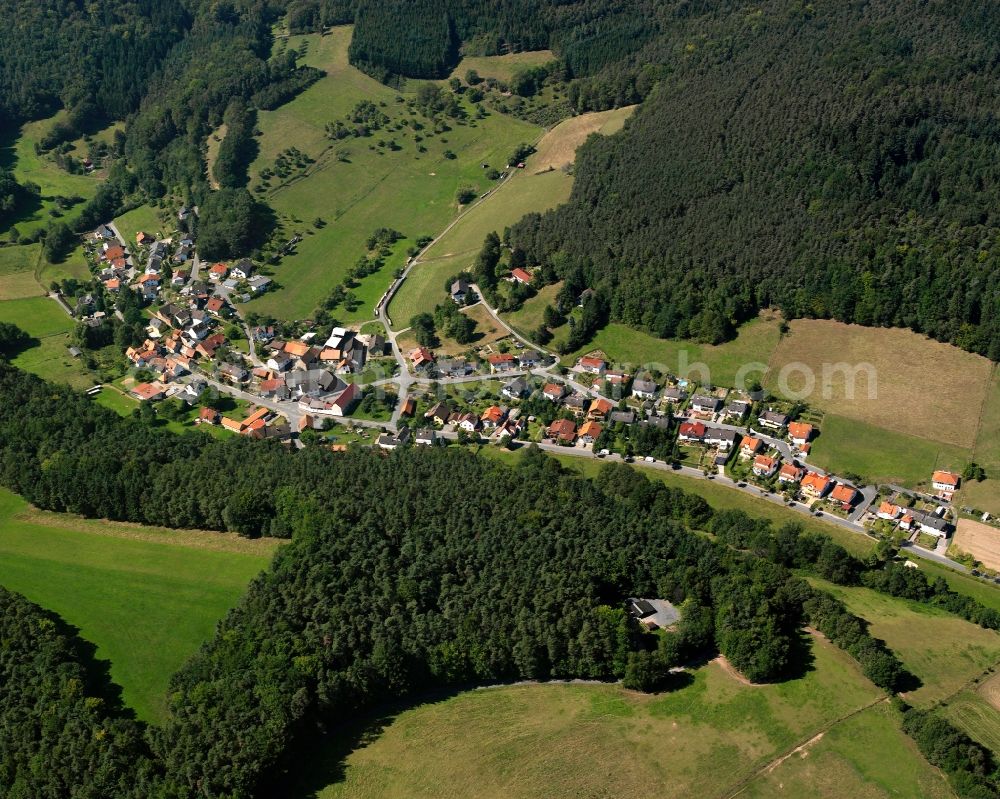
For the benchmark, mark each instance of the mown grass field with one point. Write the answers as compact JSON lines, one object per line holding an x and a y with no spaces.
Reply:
{"x":45,"y":321}
{"x":411,"y":191}
{"x":850,"y":445}
{"x":944,"y":651}
{"x":558,"y":740}
{"x":715,"y":494}
{"x":146,"y":597}
{"x":865,"y":757}
{"x":920,"y":388}
{"x":977,"y":711}
{"x":17,"y":272}
{"x":558,"y":148}
{"x":722,"y":363}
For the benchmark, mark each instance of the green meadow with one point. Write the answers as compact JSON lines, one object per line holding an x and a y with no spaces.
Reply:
{"x":712,"y":737}
{"x":50,"y":326}
{"x":146,"y":597}
{"x":356,"y":185}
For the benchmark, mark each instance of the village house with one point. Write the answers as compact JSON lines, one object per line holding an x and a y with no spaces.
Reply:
{"x":816,"y":485}
{"x":234,"y":373}
{"x":409,"y":407}
{"x":439,"y":414}
{"x":765,"y":466}
{"x":345,"y":400}
{"x":599,"y":409}
{"x":207,"y":416}
{"x":218,"y":272}
{"x":845,"y":495}
{"x":790,"y":473}
{"x":148,"y":392}
{"x":590,"y":432}
{"x":721,"y":438}
{"x":562,"y":430}
{"x":554,"y":391}
{"x":644,"y":389}
{"x":468,"y":422}
{"x":693,"y":432}
{"x":492,"y":417}
{"x":426,"y":437}
{"x":459,"y":290}
{"x":104,"y":233}
{"x":773,"y":419}
{"x":945,"y":483}
{"x":674,"y":394}
{"x":142,"y":239}
{"x":888,"y":511}
{"x":591,"y":365}
{"x":454,"y":367}
{"x":737,"y":409}
{"x":259,"y":284}
{"x":577,"y":404}
{"x":279,"y":361}
{"x":390,"y":441}
{"x":622,"y":417}
{"x":529,"y":359}
{"x":750,"y":446}
{"x":701,"y":403}
{"x":800,"y":433}
{"x":522,"y":276}
{"x":243,"y":270}
{"x":501,"y":362}
{"x":516,"y":389}
{"x":313,"y":383}
{"x":421,"y":357}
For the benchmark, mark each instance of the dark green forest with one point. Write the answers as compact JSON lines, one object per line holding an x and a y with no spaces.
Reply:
{"x":837,"y":160}
{"x":407,"y":573}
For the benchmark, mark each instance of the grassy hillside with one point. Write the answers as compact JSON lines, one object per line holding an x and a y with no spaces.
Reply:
{"x":945,"y":652}
{"x":355,"y":185}
{"x":146,"y":597}
{"x":599,"y":740}
{"x":50,"y":326}
{"x":539,"y":187}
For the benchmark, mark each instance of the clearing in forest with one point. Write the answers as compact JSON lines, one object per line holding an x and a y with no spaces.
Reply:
{"x":146,"y":597}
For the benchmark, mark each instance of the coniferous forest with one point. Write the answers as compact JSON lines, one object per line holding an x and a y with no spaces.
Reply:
{"x":405,"y":573}
{"x":837,"y":160}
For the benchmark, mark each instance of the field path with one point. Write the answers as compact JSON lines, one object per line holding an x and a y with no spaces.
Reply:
{"x":801,"y":746}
